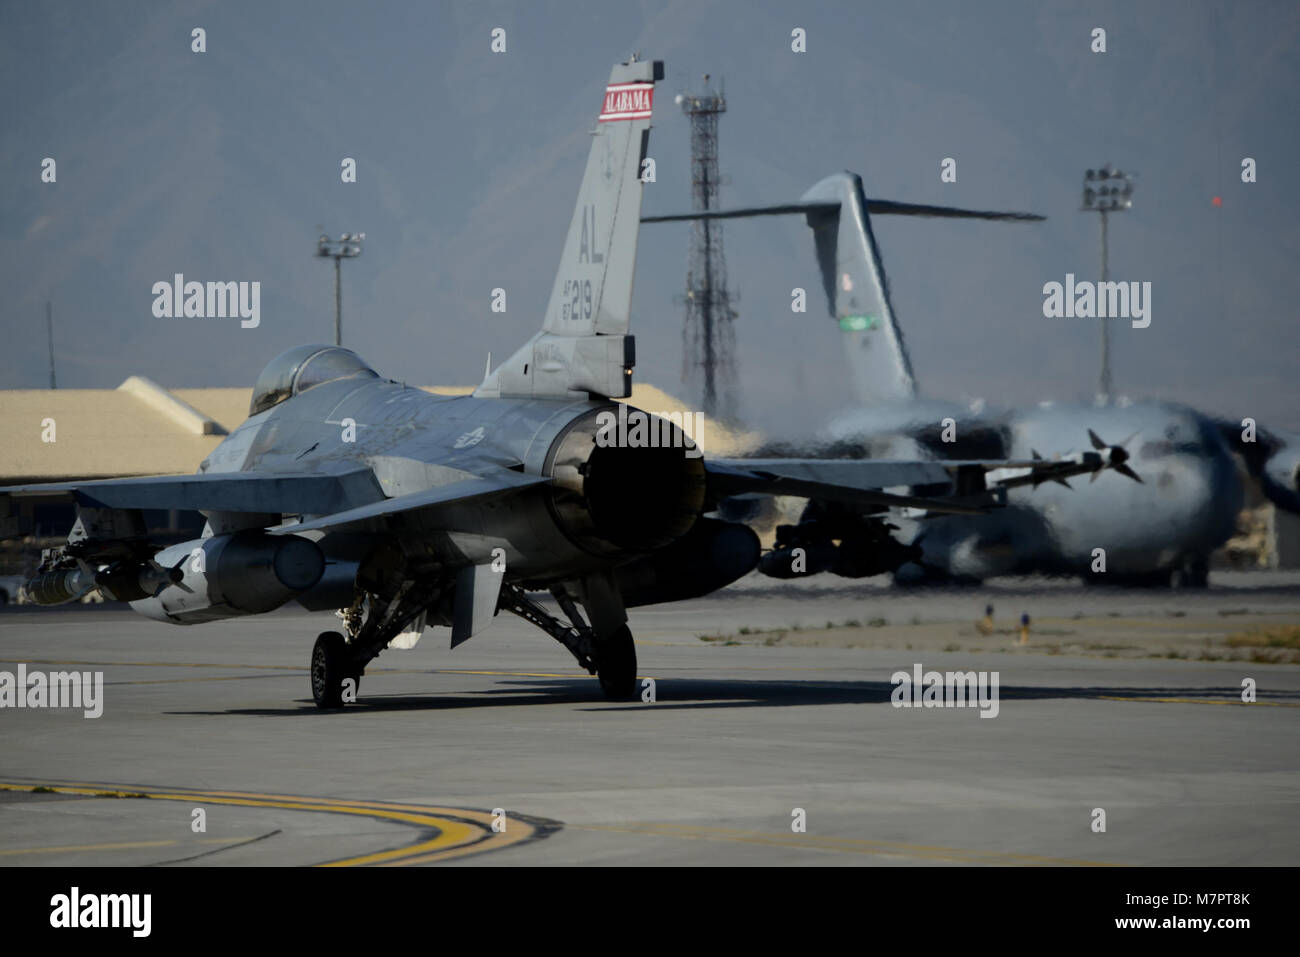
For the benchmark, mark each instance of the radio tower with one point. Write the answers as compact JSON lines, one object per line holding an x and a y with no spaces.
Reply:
{"x":708,"y":338}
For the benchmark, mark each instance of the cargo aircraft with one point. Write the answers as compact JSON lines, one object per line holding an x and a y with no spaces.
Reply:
{"x":1175,"y":497}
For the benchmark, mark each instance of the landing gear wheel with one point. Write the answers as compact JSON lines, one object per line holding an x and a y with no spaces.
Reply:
{"x":331,"y":666}
{"x":616,"y":664}
{"x":1192,"y":573}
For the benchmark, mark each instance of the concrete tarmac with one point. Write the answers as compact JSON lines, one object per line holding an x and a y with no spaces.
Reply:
{"x":1125,"y":702}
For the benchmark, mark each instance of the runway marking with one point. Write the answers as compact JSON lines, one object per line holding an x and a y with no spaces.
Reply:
{"x":455,"y":832}
{"x":505,"y":674}
{"x":848,"y":845}
{"x":121,"y":845}
{"x":1227,"y":701}
{"x":151,"y":664}
{"x":295,"y":668}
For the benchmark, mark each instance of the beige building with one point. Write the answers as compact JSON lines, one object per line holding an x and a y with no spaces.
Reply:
{"x":140,"y":428}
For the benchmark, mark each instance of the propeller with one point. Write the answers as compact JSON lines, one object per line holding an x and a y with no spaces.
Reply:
{"x":1058,"y":481}
{"x":1117,"y":458}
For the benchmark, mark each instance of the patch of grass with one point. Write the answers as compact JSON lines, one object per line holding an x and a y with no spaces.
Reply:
{"x":878,"y":622}
{"x":744,"y":630}
{"x":1266,"y":636}
{"x":1261,"y":657}
{"x":1225,"y":612}
{"x":852,"y":623}
{"x":1172,"y":613}
{"x":42,"y":789}
{"x":952,"y":647}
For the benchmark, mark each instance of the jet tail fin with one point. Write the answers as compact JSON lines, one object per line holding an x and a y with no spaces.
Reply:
{"x":853,"y":275}
{"x":584,"y":345}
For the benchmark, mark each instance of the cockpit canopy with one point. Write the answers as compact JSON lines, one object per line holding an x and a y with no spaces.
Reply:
{"x":301,"y":368}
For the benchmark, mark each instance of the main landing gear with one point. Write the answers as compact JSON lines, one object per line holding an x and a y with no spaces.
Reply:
{"x":332,"y":666}
{"x":338,"y":662}
{"x":604,"y":648}
{"x":610,"y":656}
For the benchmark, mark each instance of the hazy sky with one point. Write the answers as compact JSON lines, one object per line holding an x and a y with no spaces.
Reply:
{"x":221,"y":166}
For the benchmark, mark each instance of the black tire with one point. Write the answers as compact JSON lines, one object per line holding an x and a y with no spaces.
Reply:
{"x":616,"y":664}
{"x":1192,"y":575}
{"x":331,"y":665}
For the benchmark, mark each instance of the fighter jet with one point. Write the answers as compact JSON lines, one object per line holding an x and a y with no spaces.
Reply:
{"x":401,"y":509}
{"x":1174,"y":499}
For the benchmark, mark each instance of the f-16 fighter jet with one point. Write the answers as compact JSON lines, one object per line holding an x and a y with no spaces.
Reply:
{"x":401,"y":509}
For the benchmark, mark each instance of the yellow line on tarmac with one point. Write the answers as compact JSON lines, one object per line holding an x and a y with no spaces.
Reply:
{"x":173,"y":681}
{"x":68,"y":848}
{"x":84,"y":847}
{"x":847,"y":845}
{"x":507,"y":674}
{"x":1246,"y":704}
{"x":151,"y":664}
{"x":456,"y":831}
{"x":297,"y":668}
{"x":516,"y":830}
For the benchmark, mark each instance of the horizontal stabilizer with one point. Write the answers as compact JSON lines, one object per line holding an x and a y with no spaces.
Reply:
{"x":878,"y":207}
{"x":742,"y":212}
{"x":493,"y":485}
{"x":253,"y":492}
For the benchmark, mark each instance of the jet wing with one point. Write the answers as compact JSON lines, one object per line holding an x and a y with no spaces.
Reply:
{"x":351,"y":498}
{"x":862,"y":481}
{"x":310,"y":494}
{"x":492,"y":485}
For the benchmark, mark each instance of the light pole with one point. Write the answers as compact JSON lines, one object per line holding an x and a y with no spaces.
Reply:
{"x":1106,"y":191}
{"x":345,"y":247}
